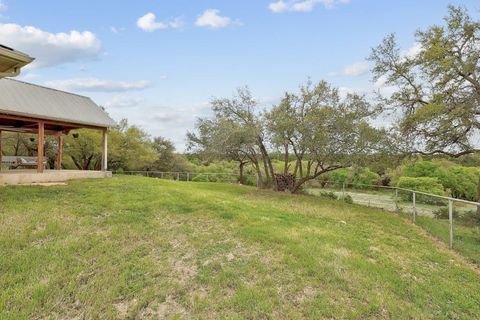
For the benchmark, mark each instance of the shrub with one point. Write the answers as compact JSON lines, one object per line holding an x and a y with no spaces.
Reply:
{"x":363,"y":176}
{"x":423,"y":184}
{"x":250,"y":180}
{"x":462,"y":182}
{"x":442,"y":213}
{"x":421,"y":169}
{"x":339,"y":177}
{"x":348,"y":199}
{"x":329,"y":195}
{"x":470,"y":216}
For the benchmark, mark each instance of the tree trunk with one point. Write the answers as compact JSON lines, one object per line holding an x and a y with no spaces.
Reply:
{"x":265,"y":167}
{"x":285,"y":169}
{"x":240,"y":167}
{"x":76,"y":163}
{"x":260,"y":183}
{"x":17,"y":145}
{"x":300,"y":182}
{"x":268,"y":162}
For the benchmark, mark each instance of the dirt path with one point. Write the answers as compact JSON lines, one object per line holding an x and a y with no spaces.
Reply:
{"x":381,"y":201}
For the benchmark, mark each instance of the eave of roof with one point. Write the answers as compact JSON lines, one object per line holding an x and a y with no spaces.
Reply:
{"x":12,"y":61}
{"x":24,"y":99}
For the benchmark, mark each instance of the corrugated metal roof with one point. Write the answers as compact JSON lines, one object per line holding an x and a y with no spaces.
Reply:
{"x":29,"y":100}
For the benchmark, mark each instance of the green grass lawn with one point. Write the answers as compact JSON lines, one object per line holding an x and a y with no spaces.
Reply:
{"x":466,"y":236}
{"x":132,"y":247}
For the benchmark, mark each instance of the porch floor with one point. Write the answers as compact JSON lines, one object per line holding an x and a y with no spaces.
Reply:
{"x":17,"y":177}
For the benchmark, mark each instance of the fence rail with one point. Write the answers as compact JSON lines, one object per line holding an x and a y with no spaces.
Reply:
{"x":189,"y":176}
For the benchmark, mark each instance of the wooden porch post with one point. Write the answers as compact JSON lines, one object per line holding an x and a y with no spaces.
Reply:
{"x":0,"y":150}
{"x":105,"y":150}
{"x":40,"y":146}
{"x":59,"y":151}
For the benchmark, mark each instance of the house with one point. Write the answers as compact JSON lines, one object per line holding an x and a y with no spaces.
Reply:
{"x":34,"y":109}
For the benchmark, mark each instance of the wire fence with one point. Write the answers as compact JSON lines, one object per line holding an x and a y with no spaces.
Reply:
{"x":394,"y":199}
{"x":193,"y":176}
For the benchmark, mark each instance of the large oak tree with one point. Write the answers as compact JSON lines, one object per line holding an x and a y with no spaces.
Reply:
{"x":436,"y":90}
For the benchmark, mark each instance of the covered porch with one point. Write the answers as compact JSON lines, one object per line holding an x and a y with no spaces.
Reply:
{"x":41,"y":112}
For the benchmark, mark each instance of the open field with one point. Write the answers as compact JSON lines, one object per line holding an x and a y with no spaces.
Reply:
{"x":132,"y":247}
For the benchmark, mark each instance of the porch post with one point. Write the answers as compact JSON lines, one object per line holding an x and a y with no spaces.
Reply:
{"x":40,"y":146}
{"x":0,"y":150}
{"x":105,"y":150}
{"x":59,"y":151}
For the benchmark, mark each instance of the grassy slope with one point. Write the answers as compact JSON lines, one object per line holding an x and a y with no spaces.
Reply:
{"x":466,"y":236}
{"x":139,"y":247}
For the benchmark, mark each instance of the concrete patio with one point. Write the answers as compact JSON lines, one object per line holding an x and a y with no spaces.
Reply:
{"x":19,"y":177}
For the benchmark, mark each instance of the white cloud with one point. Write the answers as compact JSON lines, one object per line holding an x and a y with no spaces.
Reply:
{"x":380,"y":82}
{"x":149,"y":23}
{"x":116,"y":30}
{"x":211,"y":18}
{"x":47,"y":48}
{"x":413,"y":51}
{"x":98,"y":85}
{"x":381,"y":86}
{"x":344,"y":91}
{"x":279,"y":6}
{"x":28,"y":76}
{"x":303,"y":5}
{"x":353,"y":70}
{"x":121,"y":101}
{"x":356,"y":69}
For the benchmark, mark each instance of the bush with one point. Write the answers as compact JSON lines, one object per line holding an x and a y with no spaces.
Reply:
{"x":364,"y":176}
{"x":339,"y":177}
{"x":329,"y":195}
{"x":250,"y":180}
{"x":470,"y":216}
{"x":442,"y":213}
{"x":463,"y":182}
{"x":348,"y":199}
{"x":465,"y":216}
{"x":422,"y":184}
{"x":421,"y":169}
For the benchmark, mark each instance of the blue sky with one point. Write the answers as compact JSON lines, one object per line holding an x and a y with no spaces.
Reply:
{"x":158,"y":63}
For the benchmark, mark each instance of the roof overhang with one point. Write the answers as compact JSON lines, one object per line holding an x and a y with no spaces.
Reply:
{"x":12,"y":61}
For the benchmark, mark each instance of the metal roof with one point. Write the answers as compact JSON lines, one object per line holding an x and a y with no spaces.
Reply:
{"x":11,"y":61}
{"x":33,"y":101}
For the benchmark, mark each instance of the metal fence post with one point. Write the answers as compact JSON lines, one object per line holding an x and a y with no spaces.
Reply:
{"x":161,"y":175}
{"x":188,"y":176}
{"x":450,"y":223}
{"x":396,"y":199}
{"x":343,"y":191}
{"x":414,"y":208}
{"x":178,"y":176}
